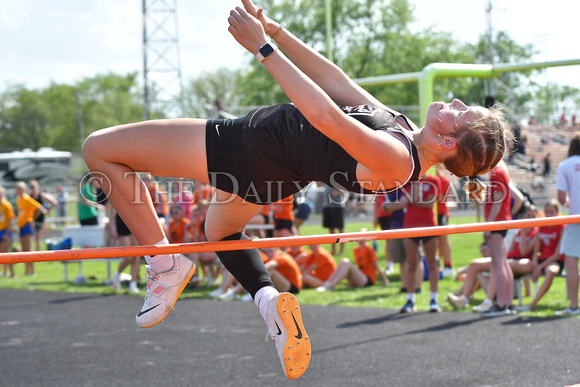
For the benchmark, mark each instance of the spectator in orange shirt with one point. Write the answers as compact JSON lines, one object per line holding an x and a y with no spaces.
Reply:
{"x":318,"y":268}
{"x":363,"y":274}
{"x":283,"y":211}
{"x":179,"y":225}
{"x":27,"y":209}
{"x":284,"y":270}
{"x":300,"y":255}
{"x":158,"y":195}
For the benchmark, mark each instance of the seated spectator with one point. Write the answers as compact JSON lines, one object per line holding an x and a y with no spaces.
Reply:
{"x":318,"y":267}
{"x":519,"y":254}
{"x":300,"y":255}
{"x":179,"y":225}
{"x":283,"y":270}
{"x":229,"y":289}
{"x":546,"y":258}
{"x":363,"y":274}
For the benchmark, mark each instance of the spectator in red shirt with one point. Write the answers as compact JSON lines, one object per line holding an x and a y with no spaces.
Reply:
{"x":546,"y":258}
{"x":497,"y":208}
{"x":420,"y":201}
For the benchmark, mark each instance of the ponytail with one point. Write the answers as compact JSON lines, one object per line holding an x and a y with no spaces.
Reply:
{"x":475,"y":188}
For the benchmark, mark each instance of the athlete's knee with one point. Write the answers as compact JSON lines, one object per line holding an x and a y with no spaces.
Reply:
{"x":93,"y":146}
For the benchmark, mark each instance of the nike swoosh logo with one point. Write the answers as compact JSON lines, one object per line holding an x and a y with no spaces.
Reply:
{"x":217,"y":129}
{"x":279,"y":330}
{"x":299,"y":335}
{"x":141,"y":313}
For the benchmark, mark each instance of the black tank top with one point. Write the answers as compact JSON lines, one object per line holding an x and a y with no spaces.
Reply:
{"x":301,"y":153}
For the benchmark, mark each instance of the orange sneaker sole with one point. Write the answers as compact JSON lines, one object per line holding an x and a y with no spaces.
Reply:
{"x":183,"y":285}
{"x":297,"y":351}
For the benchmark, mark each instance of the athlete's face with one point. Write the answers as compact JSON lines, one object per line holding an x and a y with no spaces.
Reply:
{"x":448,"y":118}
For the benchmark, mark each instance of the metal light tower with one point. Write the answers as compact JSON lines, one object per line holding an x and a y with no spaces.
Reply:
{"x":162,"y":82}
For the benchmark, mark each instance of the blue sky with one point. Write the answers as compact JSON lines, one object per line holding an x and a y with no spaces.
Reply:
{"x":66,"y":40}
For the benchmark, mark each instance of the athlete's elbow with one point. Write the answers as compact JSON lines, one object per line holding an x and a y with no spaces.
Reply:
{"x":326,"y":121}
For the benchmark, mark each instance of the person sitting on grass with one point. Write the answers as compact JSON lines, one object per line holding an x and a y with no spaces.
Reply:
{"x":318,"y":267}
{"x":359,"y":275}
{"x":283,"y":270}
{"x":546,"y":258}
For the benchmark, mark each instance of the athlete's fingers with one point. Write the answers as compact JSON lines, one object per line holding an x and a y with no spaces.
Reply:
{"x":250,"y":7}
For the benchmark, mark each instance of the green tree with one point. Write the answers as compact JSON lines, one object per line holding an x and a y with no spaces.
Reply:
{"x":370,"y":38}
{"x":23,"y":119}
{"x":60,"y":116}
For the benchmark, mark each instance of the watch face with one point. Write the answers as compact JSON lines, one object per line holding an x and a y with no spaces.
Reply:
{"x":266,"y":50}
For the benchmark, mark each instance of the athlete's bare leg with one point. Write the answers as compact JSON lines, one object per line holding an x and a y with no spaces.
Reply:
{"x":164,"y":148}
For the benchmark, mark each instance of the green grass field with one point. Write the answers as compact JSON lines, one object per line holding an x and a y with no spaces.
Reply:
{"x":465,"y":247}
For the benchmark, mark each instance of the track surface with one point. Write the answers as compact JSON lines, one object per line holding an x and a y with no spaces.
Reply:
{"x":61,"y":339}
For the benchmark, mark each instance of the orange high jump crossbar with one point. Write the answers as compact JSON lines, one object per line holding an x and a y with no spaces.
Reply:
{"x":116,"y":252}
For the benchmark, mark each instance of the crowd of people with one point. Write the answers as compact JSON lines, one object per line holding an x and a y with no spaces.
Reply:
{"x":24,"y":221}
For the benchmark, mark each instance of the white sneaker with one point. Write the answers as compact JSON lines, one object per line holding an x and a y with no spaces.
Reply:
{"x":568,"y":312}
{"x":247,"y":298}
{"x":133,"y":288}
{"x":449,"y":272}
{"x":324,"y":288}
{"x":163,"y":290}
{"x":228,"y":295}
{"x":483,"y":307}
{"x":523,"y":308}
{"x":458,"y":302}
{"x":216,"y":293}
{"x":284,"y":322}
{"x":116,"y":282}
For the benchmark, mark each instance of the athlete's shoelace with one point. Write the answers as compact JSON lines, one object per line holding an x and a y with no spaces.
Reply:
{"x":150,"y":279}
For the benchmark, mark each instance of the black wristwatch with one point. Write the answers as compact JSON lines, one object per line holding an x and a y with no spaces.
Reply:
{"x":265,"y":51}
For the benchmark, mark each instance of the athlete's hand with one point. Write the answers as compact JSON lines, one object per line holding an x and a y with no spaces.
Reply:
{"x":270,"y":26}
{"x":247,"y":30}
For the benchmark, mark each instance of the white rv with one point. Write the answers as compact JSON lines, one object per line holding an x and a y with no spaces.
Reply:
{"x":48,"y":166}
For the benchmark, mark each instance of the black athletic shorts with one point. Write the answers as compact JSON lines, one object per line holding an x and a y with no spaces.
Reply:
{"x":503,"y":233}
{"x":281,"y":224}
{"x":425,"y":239}
{"x":333,"y":217}
{"x":122,"y":228}
{"x":385,"y":222}
{"x":233,"y":153}
{"x":442,"y":220}
{"x":558,"y":262}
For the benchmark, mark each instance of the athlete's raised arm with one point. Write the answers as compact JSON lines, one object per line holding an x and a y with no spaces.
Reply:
{"x":320,"y":110}
{"x":331,"y":78}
